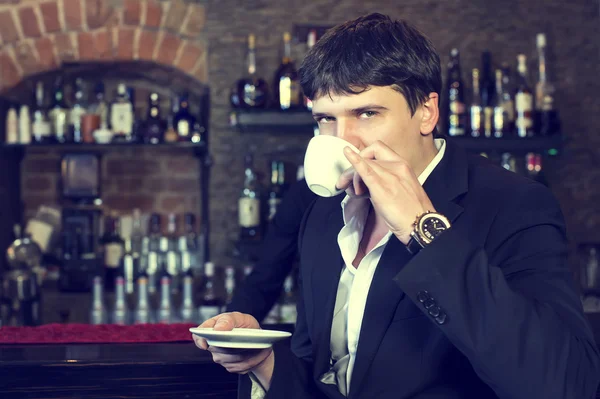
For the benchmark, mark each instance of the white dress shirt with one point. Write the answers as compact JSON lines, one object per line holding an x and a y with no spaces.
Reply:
{"x":357,"y":281}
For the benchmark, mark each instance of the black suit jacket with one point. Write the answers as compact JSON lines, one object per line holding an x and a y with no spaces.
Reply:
{"x":261,"y":288}
{"x":488,"y":310}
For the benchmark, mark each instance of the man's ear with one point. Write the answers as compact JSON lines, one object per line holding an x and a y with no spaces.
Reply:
{"x":430,"y":113}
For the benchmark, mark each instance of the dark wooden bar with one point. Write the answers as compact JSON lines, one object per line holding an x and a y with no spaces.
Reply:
{"x":170,"y":370}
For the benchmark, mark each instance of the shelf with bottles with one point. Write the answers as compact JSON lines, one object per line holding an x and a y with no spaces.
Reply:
{"x":80,"y":115}
{"x":551,"y":145}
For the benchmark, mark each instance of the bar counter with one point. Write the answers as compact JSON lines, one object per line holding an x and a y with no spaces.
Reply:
{"x":155,"y":370}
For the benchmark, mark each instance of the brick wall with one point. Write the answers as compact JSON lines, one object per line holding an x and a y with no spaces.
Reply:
{"x":206,"y":39}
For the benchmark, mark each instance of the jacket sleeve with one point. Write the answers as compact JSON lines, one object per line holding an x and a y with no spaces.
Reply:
{"x":293,"y":370}
{"x":261,"y":288}
{"x":512,"y":310}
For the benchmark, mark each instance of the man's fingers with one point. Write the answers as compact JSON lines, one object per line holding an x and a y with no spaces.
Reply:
{"x":381,"y":152}
{"x":368,"y":170}
{"x":200,"y":342}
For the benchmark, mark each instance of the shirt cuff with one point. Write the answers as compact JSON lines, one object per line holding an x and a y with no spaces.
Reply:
{"x":257,"y":391}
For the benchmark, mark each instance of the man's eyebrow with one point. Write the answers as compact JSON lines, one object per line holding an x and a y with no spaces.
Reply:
{"x":318,"y":115}
{"x":368,"y":107}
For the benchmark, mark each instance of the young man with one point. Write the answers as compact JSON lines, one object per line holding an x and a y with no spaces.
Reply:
{"x":448,"y":280}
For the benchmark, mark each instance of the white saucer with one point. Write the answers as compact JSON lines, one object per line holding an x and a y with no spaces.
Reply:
{"x":243,"y":338}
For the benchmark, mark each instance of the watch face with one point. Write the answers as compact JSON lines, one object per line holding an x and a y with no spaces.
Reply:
{"x":432,"y":226}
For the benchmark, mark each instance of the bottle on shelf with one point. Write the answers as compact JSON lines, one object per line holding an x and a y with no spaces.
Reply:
{"x":546,"y":115}
{"x":120,"y":312}
{"x":100,"y":106}
{"x":24,"y":125}
{"x":12,"y":126}
{"x":523,"y":101}
{"x":275,"y":190}
{"x":113,"y":250}
{"x":143,"y":312}
{"x":229,"y":286}
{"x":311,"y":40}
{"x":154,"y":126}
{"x":183,"y":121}
{"x":249,"y":207}
{"x":188,"y":245}
{"x":508,"y":102}
{"x":286,"y":85}
{"x":59,"y":113}
{"x":98,"y":312}
{"x":188,"y":311}
{"x":171,"y":135}
{"x":487,"y":88}
{"x":211,"y":303}
{"x":122,"y":116}
{"x":500,"y":120}
{"x":172,"y":255}
{"x":457,"y":117}
{"x":40,"y":127}
{"x":77,"y":111}
{"x":508,"y":162}
{"x":251,"y":91}
{"x":154,"y":254}
{"x":165,"y":311}
{"x":476,"y":110}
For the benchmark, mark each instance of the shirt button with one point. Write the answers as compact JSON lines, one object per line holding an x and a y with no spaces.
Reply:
{"x":428,"y":303}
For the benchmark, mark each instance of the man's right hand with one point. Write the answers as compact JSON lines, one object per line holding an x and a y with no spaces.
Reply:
{"x":258,"y":361}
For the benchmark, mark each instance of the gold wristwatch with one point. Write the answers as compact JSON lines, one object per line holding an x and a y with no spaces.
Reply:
{"x":427,"y":227}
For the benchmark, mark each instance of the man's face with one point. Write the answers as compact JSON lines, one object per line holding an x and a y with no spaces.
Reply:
{"x":379,"y":113}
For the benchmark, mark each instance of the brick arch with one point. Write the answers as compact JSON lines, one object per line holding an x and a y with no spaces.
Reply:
{"x":41,"y":35}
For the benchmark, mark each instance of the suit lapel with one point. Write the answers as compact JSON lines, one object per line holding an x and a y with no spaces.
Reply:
{"x":445,"y":184}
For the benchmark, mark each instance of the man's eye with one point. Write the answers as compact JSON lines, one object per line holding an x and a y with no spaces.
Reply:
{"x":368,"y":114}
{"x":325,"y":119}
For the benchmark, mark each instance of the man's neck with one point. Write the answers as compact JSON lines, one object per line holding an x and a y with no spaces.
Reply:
{"x":426,"y":155}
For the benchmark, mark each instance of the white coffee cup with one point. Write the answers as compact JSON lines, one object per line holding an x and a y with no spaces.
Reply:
{"x":324,"y":163}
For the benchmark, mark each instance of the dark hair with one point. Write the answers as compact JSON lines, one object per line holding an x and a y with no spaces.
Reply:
{"x":372,"y":50}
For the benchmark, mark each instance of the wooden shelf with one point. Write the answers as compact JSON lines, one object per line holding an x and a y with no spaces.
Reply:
{"x":281,"y":122}
{"x":272,"y":121}
{"x":199,"y":149}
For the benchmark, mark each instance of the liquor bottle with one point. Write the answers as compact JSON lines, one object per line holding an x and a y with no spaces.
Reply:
{"x":154,"y":255}
{"x":120,"y":313}
{"x":24,"y":125}
{"x":275,"y":190}
{"x":188,"y":245}
{"x":129,"y":268}
{"x":251,"y":91}
{"x":77,"y":111}
{"x":154,"y":126}
{"x":137,"y":234}
{"x":100,"y":106}
{"x":12,"y":126}
{"x":40,"y":127}
{"x":229,"y":286}
{"x":113,"y":251}
{"x":249,"y":204}
{"x":523,"y":101}
{"x":500,"y":120}
{"x":533,"y":162}
{"x":211,"y":303}
{"x":457,"y":117}
{"x":188,"y":312}
{"x":58,"y":113}
{"x":173,"y":260}
{"x":311,"y":40}
{"x":98,"y":312}
{"x":183,"y":121}
{"x":288,"y":303}
{"x":165,"y":309}
{"x":476,"y":122}
{"x":287,"y":83}
{"x":121,"y":115}
{"x":488,"y":94}
{"x":143,"y":312}
{"x":546,"y":115}
{"x":508,"y":102}
{"x":171,"y":135}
